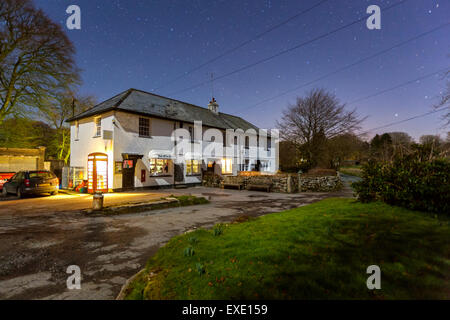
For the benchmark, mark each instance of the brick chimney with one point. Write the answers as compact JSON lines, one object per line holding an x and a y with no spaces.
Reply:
{"x":213,"y":106}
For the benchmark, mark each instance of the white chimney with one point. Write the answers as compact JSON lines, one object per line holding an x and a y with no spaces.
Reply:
{"x":213,"y":106}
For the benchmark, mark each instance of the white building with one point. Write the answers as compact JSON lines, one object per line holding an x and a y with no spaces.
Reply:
{"x":139,"y":139}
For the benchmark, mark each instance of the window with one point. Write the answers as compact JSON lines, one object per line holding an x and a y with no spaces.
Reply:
{"x":144,"y":127}
{"x":227,"y":166}
{"x":247,"y":142}
{"x":269,"y":144}
{"x":192,"y":167}
{"x":77,"y":130}
{"x":41,"y":174}
{"x":210,"y":167}
{"x":159,"y":167}
{"x":235,"y":141}
{"x":98,"y":126}
{"x":191,"y":134}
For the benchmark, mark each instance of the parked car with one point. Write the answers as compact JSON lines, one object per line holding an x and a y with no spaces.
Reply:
{"x":32,"y":182}
{"x":4,"y":176}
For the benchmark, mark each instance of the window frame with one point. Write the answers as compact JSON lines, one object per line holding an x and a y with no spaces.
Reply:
{"x":153,"y":166}
{"x":191,"y":134}
{"x":224,"y":167}
{"x":190,"y":163}
{"x":140,"y":125}
{"x":98,"y":127}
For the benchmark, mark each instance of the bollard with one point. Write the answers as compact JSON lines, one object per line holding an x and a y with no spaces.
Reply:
{"x":97,"y":201}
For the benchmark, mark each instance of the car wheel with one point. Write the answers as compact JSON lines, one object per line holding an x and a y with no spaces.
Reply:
{"x":19,"y":193}
{"x":54,"y":193}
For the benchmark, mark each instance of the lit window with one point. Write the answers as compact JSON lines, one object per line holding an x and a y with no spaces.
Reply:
{"x":98,"y":126}
{"x":159,"y":167}
{"x":144,"y":127}
{"x":192,"y":167}
{"x":227,"y":166}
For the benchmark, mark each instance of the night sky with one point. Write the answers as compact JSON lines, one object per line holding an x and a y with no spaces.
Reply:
{"x":147,"y":44}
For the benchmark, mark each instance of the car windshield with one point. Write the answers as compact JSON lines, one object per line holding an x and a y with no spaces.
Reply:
{"x":41,"y":174}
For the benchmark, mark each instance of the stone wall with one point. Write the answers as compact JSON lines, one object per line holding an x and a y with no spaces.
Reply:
{"x":284,"y":183}
{"x":212,"y":180}
{"x":308,"y":183}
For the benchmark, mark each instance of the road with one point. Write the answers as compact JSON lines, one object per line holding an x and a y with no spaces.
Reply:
{"x":39,"y":205}
{"x":37,"y":246}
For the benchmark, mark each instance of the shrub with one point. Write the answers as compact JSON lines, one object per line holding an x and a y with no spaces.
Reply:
{"x":411,"y":181}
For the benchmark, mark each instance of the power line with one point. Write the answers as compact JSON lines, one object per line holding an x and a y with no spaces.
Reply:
{"x":287,"y":50}
{"x":398,"y":86}
{"x":348,"y":66}
{"x":242,"y":44}
{"x":404,"y":120}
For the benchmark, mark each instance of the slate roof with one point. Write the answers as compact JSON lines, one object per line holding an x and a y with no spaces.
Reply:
{"x":145,"y":103}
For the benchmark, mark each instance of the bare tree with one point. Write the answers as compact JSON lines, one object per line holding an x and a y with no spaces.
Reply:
{"x":401,"y":142}
{"x":345,"y":147}
{"x":57,"y":110}
{"x":314,"y":119}
{"x":431,"y":139}
{"x":445,"y":100}
{"x":36,"y":57}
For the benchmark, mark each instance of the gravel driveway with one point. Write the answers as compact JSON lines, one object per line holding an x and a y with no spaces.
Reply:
{"x":36,"y":249}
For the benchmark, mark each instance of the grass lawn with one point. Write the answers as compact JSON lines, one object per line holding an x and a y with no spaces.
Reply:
{"x":319,"y":251}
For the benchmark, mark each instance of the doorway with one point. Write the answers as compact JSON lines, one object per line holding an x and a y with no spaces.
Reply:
{"x":128,"y":174}
{"x":128,"y":169}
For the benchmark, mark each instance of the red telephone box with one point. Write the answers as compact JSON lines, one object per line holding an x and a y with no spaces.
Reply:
{"x":97,"y":172}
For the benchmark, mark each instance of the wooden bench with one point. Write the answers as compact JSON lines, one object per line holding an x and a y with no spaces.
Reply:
{"x":264,"y":186}
{"x":233,"y":185}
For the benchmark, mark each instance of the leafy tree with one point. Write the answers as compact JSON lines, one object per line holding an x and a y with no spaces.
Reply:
{"x":36,"y":58}
{"x":20,"y":132}
{"x":313,"y":120}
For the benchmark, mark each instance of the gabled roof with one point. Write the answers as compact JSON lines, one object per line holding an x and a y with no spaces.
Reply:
{"x":146,"y":103}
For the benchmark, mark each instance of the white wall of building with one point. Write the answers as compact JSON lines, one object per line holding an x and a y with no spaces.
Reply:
{"x":84,"y":142}
{"x":126,"y":140}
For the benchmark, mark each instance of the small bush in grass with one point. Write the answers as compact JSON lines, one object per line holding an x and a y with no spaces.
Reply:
{"x":188,"y":252}
{"x":218,"y":230}
{"x":200,"y":268}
